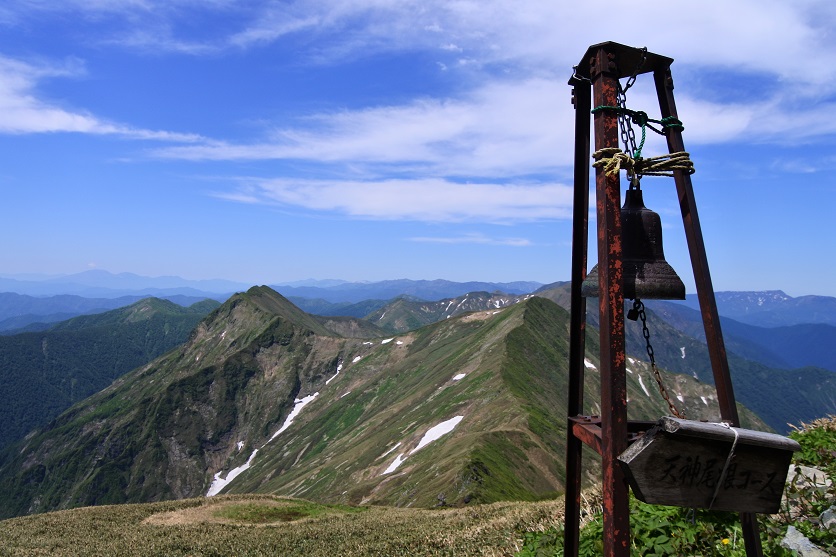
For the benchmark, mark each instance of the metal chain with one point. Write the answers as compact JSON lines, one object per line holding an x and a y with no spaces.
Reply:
{"x":638,"y":311}
{"x":628,"y":136}
{"x":625,"y":122}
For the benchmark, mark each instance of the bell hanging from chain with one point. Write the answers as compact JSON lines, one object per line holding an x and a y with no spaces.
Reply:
{"x":646,"y":273}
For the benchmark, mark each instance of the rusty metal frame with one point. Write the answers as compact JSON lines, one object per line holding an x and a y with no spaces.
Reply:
{"x":596,"y":77}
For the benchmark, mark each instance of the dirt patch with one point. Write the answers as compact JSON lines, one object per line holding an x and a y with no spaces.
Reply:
{"x":480,"y":315}
{"x":272,"y":511}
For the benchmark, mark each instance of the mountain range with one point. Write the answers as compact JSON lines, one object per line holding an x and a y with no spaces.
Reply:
{"x":263,"y":397}
{"x":27,"y":300}
{"x":772,"y":308}
{"x":787,"y":346}
{"x":456,"y":400}
{"x":100,"y":283}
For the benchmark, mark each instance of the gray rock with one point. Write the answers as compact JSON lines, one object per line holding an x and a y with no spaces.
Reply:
{"x":808,"y":475}
{"x":796,"y":541}
{"x":828,"y":519}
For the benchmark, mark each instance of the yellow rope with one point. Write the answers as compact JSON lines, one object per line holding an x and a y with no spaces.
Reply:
{"x":612,"y":160}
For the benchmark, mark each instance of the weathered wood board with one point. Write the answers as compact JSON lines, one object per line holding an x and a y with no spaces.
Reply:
{"x":681,"y":463}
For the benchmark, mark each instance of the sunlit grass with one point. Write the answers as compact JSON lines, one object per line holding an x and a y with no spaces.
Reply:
{"x":255,"y":525}
{"x":263,"y":512}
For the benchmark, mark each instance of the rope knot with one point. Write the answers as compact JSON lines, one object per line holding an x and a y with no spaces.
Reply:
{"x":612,"y":160}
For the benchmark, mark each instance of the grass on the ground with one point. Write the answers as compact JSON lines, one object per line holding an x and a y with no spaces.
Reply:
{"x":254,"y":525}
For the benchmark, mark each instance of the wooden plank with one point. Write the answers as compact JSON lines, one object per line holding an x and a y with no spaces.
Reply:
{"x":685,"y":467}
{"x":709,"y":430}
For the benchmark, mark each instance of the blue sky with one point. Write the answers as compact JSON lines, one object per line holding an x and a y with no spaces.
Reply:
{"x":266,"y":142}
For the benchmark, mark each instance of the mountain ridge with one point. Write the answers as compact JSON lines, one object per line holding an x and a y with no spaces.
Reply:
{"x":213,"y":407}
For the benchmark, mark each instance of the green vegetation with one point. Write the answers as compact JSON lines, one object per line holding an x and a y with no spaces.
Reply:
{"x":267,"y":511}
{"x":808,"y":498}
{"x":230,"y":525}
{"x":661,"y":530}
{"x":163,"y":430}
{"x":267,"y":525}
{"x":46,"y":372}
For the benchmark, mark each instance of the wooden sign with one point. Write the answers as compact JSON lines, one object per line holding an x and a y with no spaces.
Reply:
{"x":710,"y":466}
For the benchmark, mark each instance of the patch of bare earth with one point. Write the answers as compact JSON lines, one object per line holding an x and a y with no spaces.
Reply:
{"x":211,"y":512}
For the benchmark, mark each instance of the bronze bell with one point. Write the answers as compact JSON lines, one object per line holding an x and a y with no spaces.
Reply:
{"x":646,"y":273}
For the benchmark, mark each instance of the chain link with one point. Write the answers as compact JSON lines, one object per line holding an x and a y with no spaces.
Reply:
{"x":625,"y":122}
{"x":638,"y":310}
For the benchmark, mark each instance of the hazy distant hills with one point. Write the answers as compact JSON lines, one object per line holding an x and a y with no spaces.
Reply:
{"x":266,"y":398}
{"x":428,"y":290}
{"x":402,"y":315}
{"x":27,"y":300}
{"x":780,"y":394}
{"x":772,"y":308}
{"x":21,"y":312}
{"x":103,"y":284}
{"x":793,"y":346}
{"x":43,"y":373}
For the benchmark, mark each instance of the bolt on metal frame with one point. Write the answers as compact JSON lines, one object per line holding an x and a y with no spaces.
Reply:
{"x":596,"y":79}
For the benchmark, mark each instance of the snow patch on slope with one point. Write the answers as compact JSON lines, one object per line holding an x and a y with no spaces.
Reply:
{"x":643,"y":387}
{"x":219,"y":483}
{"x":339,"y":368}
{"x":433,"y":434}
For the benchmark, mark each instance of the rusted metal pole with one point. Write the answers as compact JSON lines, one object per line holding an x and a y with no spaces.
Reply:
{"x":705,"y":290}
{"x":611,"y":308}
{"x":581,"y":98}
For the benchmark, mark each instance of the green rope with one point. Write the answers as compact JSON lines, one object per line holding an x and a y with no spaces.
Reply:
{"x":612,"y":160}
{"x":643,"y":120}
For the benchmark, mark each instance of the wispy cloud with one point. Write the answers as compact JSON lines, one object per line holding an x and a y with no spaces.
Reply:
{"x":430,"y":200}
{"x":528,"y":33}
{"x":22,"y":112}
{"x":502,"y":129}
{"x":493,"y":42}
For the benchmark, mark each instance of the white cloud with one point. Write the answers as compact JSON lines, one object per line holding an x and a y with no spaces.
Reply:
{"x":525,"y":42}
{"x":503,"y":129}
{"x":511,"y":115}
{"x":21,"y":111}
{"x":790,"y":40}
{"x":421,"y":200}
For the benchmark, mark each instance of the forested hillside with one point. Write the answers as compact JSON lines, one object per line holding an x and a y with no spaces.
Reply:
{"x":43,"y":373}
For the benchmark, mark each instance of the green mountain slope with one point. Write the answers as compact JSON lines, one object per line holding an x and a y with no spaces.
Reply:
{"x":44,"y":373}
{"x":265,"y":398}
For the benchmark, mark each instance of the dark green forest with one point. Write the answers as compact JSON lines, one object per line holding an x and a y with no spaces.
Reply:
{"x":44,"y":373}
